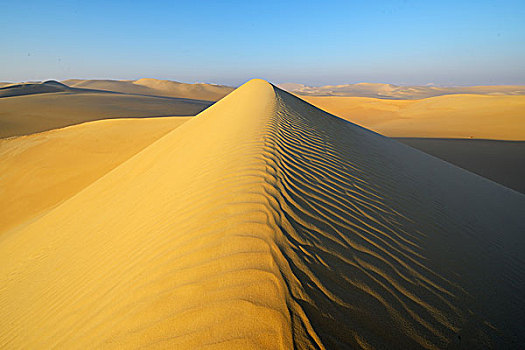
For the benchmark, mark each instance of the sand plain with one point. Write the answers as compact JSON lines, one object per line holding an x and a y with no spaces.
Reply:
{"x":265,"y":222}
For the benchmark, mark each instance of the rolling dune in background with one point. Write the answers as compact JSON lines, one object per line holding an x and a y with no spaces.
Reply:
{"x":156,"y":87}
{"x":393,"y":92}
{"x":451,"y":116}
{"x":28,"y":114}
{"x":264,"y":222}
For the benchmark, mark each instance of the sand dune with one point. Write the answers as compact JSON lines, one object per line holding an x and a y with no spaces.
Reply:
{"x":500,"y":161}
{"x":209,"y":92}
{"x":32,"y":88}
{"x":452,"y":116}
{"x":390,"y":91}
{"x":41,"y":170}
{"x":266,"y":223}
{"x":22,"y":115}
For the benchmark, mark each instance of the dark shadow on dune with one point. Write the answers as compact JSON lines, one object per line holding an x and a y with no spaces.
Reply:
{"x":499,"y":161}
{"x":392,"y":248}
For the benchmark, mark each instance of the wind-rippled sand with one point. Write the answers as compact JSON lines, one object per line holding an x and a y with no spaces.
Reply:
{"x":265,"y":222}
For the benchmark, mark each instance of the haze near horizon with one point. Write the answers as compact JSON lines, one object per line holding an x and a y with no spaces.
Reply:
{"x":340,"y":42}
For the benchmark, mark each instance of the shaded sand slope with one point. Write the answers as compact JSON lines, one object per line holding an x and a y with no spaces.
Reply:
{"x":452,"y":116}
{"x":22,"y":115}
{"x":41,"y":170}
{"x":500,"y":161}
{"x":266,"y":223}
{"x":32,"y":88}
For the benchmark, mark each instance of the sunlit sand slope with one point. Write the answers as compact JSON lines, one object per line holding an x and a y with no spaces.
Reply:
{"x":266,"y":223}
{"x":451,"y":116}
{"x":41,"y":170}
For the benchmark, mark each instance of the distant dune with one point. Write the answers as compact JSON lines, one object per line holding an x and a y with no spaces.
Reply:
{"x":266,"y":223}
{"x":27,"y":114}
{"x":156,"y":87}
{"x":390,"y":91}
{"x":450,"y":116}
{"x":32,"y":88}
{"x":27,"y":108}
{"x":466,"y":117}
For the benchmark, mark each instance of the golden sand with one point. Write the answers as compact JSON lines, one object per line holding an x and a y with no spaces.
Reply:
{"x":156,"y":87}
{"x":450,"y":116}
{"x":266,"y":223}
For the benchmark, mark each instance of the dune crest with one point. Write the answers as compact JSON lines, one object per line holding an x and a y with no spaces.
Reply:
{"x":265,"y":222}
{"x":209,"y":92}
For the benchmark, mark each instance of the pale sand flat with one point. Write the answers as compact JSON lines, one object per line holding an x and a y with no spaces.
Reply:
{"x":266,"y":223}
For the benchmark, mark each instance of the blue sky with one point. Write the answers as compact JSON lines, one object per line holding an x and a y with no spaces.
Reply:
{"x":229,"y":42}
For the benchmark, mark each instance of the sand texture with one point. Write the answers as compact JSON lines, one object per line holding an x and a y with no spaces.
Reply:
{"x":499,"y":117}
{"x":266,"y":223}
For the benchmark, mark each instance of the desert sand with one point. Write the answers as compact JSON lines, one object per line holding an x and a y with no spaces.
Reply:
{"x":390,"y":91}
{"x":484,"y":123}
{"x":264,"y":222}
{"x":31,"y":112}
{"x":42,"y":170}
{"x":156,"y":87}
{"x":499,"y":161}
{"x":33,"y":88}
{"x":452,"y":116}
